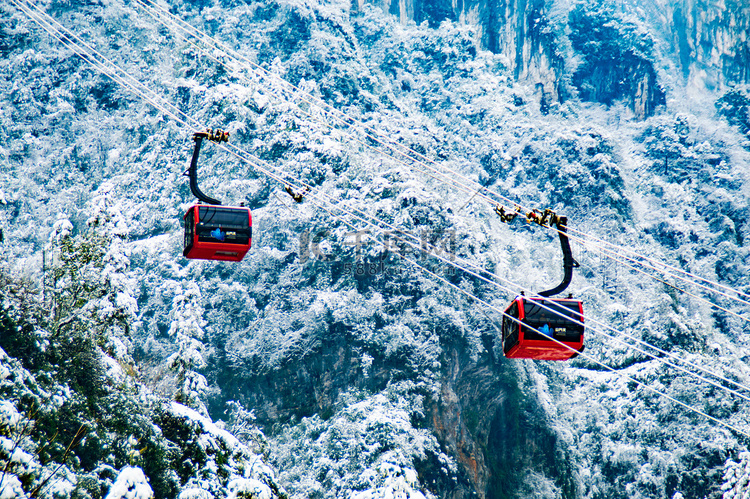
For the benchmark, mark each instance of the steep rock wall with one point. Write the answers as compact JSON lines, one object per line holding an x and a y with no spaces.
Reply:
{"x":486,"y":415}
{"x":538,"y":48}
{"x":711,"y":41}
{"x":707,"y":43}
{"x":615,"y":59}
{"x":518,"y":29}
{"x":501,"y":436}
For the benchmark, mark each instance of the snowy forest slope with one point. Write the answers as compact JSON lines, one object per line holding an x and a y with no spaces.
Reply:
{"x":367,"y":376}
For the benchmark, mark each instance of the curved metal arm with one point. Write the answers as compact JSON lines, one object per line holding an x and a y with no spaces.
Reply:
{"x":193,"y":171}
{"x":568,"y":261}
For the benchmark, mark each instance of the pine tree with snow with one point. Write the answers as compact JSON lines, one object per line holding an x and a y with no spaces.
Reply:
{"x":131,"y":483}
{"x":187,"y":331}
{"x":18,"y":464}
{"x":92,"y":293}
{"x":737,"y":478}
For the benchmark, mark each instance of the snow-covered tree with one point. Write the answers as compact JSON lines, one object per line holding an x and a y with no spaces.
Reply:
{"x":187,"y":331}
{"x":18,"y":464}
{"x":131,"y":483}
{"x":737,"y":478}
{"x":93,"y":295}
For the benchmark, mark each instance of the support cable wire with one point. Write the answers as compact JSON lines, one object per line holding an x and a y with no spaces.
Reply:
{"x":246,"y":157}
{"x":68,"y":38}
{"x":160,"y":14}
{"x":620,"y":258}
{"x":475,"y":271}
{"x":671,"y":268}
{"x":623,"y":260}
{"x":100,"y":62}
{"x":582,"y":354}
{"x":615,"y":255}
{"x":167,"y":20}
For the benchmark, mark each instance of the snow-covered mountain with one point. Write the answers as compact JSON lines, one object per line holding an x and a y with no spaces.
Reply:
{"x":327,"y":364}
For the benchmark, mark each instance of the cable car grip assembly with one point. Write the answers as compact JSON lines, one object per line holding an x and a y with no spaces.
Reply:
{"x":218,"y":136}
{"x":541,"y":327}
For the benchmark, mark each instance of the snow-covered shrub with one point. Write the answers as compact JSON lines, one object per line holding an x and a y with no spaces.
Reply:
{"x":212,"y":459}
{"x":187,"y":331}
{"x":368,"y":448}
{"x":131,"y":483}
{"x":17,"y":457}
{"x":248,"y":488}
{"x":241,"y":423}
{"x":737,"y":477}
{"x":734,"y":105}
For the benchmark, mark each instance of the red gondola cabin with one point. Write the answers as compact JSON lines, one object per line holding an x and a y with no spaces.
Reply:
{"x":562,"y":319}
{"x":217,"y":232}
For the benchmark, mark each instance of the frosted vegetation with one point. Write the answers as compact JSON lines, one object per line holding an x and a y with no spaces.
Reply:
{"x":323,"y":366}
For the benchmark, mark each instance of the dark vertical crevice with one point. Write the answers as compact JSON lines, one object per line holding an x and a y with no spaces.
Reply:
{"x":394,"y":10}
{"x":520,"y":35}
{"x":492,"y":22}
{"x":683,"y":46}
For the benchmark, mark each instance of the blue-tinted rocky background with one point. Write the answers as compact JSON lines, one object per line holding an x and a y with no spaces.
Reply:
{"x":323,"y":366}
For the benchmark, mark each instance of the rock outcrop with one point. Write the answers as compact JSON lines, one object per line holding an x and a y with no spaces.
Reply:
{"x":599,"y":52}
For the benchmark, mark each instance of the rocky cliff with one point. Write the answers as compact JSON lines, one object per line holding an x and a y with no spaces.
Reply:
{"x":710,"y":40}
{"x":370,"y":377}
{"x":602,"y":51}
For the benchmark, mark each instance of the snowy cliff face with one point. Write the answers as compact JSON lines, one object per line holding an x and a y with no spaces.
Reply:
{"x":708,"y":42}
{"x":519,"y":30}
{"x":603,"y":51}
{"x":369,"y":377}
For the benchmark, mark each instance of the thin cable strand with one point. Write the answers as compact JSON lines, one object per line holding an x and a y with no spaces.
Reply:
{"x":101,"y":67}
{"x":624,"y":262}
{"x":465,"y":269}
{"x":658,"y":262}
{"x":614,"y":255}
{"x":582,"y":354}
{"x":350,"y":121}
{"x":166,"y":17}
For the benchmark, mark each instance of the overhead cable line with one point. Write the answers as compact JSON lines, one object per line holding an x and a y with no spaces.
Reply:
{"x":167,"y":17}
{"x":588,"y":357}
{"x":242,"y":154}
{"x":619,"y":257}
{"x":161,"y":14}
{"x":623,"y":260}
{"x":670,"y":268}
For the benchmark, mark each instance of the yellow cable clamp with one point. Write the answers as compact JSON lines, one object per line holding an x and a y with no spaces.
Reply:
{"x":545,"y":218}
{"x":507,"y":217}
{"x":218,"y":136}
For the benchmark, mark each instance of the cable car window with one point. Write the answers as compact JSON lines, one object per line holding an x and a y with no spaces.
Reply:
{"x":559,"y":322}
{"x":223,"y":225}
{"x":223,"y":217}
{"x":510,"y":328}
{"x":189,"y":222}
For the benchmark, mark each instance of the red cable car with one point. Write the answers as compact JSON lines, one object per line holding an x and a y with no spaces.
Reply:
{"x":530,"y":324}
{"x":544,"y":328}
{"x":217,"y":232}
{"x":213,"y":231}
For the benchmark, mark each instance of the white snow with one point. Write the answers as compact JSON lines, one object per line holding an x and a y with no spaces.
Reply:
{"x":131,"y":483}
